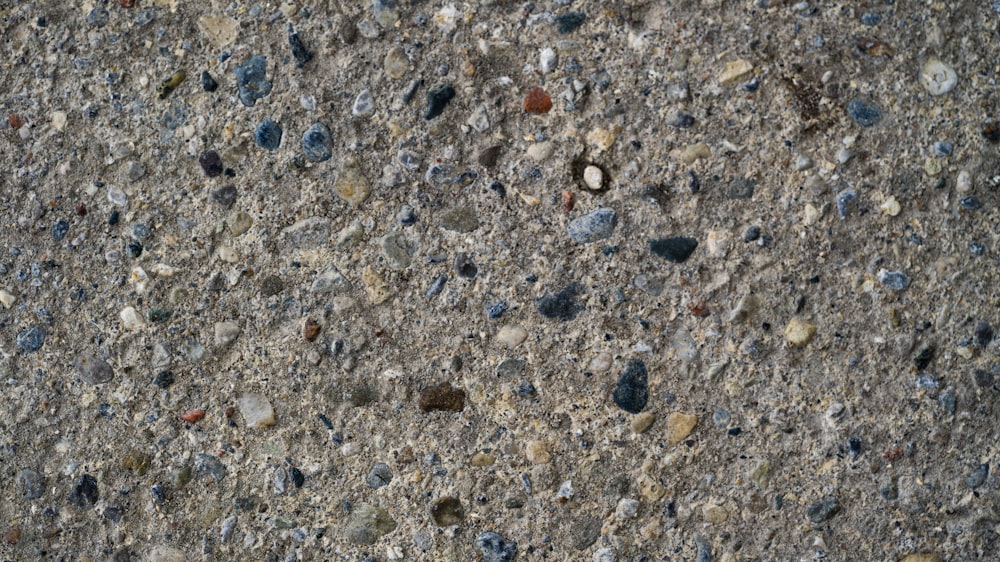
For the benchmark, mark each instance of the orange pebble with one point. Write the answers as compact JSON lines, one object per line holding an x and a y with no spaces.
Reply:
{"x":192,"y":416}
{"x":537,"y":101}
{"x":15,"y":121}
{"x":568,"y":200}
{"x":310,"y":330}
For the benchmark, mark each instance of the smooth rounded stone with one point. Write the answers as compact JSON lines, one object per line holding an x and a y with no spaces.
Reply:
{"x":438,"y":97}
{"x":256,"y":410}
{"x":367,"y":524}
{"x":642,"y":422}
{"x":397,"y":250}
{"x":963,"y":184}
{"x":677,"y":249}
{"x":268,"y":135}
{"x":317,"y":145}
{"x":395,"y":63}
{"x":495,"y":548}
{"x":761,"y":474}
{"x":31,"y":339}
{"x":164,"y":553}
{"x":239,"y":222}
{"x":226,"y":333}
{"x":93,"y":370}
{"x":32,"y":484}
{"x":632,"y":391}
{"x":593,"y":178}
{"x":561,"y":305}
{"x":352,"y":186}
{"x":937,"y":77}
{"x":595,"y":225}
{"x":864,"y":113}
{"x":823,"y":509}
{"x":692,"y":152}
{"x":379,"y":476}
{"x":511,"y":336}
{"x":459,"y":219}
{"x":798,"y":332}
{"x":604,"y":555}
{"x":211,"y":163}
{"x":895,"y":280}
{"x":984,"y":333}
{"x":845,"y":202}
{"x":679,"y":426}
{"x":251,"y":80}
{"x":85,"y":492}
{"x":978,"y":476}
{"x":537,"y":452}
{"x":364,"y":104}
{"x":541,"y":151}
{"x":447,"y":511}
{"x":442,"y":397}
{"x":211,"y":466}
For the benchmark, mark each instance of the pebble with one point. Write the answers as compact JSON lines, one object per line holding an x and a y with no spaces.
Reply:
{"x":537,"y":452}
{"x":32,"y":484}
{"x":379,"y":476}
{"x":937,"y":77}
{"x":396,"y":249}
{"x":442,"y":397}
{"x":963,"y":184}
{"x":85,"y":492}
{"x":479,"y":119}
{"x":352,"y":186}
{"x":510,"y":367}
{"x":224,"y":196}
{"x":438,"y":97}
{"x":317,"y":145}
{"x":482,"y":459}
{"x":301,"y":54}
{"x":895,"y":280}
{"x":983,"y":333}
{"x":541,"y":151}
{"x":891,"y":206}
{"x":642,"y":422}
{"x":268,"y":135}
{"x":495,"y":548}
{"x":990,"y":130}
{"x":569,"y":22}
{"x":460,"y":219}
{"x":970,"y":203}
{"x":978,"y":476}
{"x":165,"y":554}
{"x":211,"y":163}
{"x":226,"y":333}
{"x":31,"y":339}
{"x":238,"y":223}
{"x":330,"y":281}
{"x":632,"y":390}
{"x":740,"y":188}
{"x":561,"y":305}
{"x":592,"y":227}
{"x":364,"y":104}
{"x":376,"y":288}
{"x":464,"y":266}
{"x":256,"y":410}
{"x":59,"y":229}
{"x":367,"y":524}
{"x":207,"y":82}
{"x":734,"y":71}
{"x":7,"y":299}
{"x":799,"y":332}
{"x":98,"y":17}
{"x":871,"y":18}
{"x":593,"y":178}
{"x":921,"y":557}
{"x":548,"y":60}
{"x":823,"y":510}
{"x":864,"y":113}
{"x":601,"y":139}
{"x":802,"y":163}
{"x":511,"y":336}
{"x":271,"y":285}
{"x":93,"y":370}
{"x":601,"y":362}
{"x":395,"y":63}
{"x":537,"y":101}
{"x":679,"y":426}
{"x":677,"y":249}
{"x":211,"y":466}
{"x":447,"y":511}
{"x":251,"y":80}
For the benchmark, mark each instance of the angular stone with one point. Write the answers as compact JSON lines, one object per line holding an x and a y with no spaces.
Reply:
{"x":219,"y":30}
{"x":823,"y":510}
{"x":495,"y":548}
{"x":642,"y":422}
{"x":679,"y":426}
{"x":226,"y":333}
{"x":256,"y":410}
{"x":595,"y":225}
{"x":251,"y":80}
{"x":397,"y":250}
{"x":331,"y":281}
{"x":537,"y":452}
{"x":677,"y":249}
{"x":368,"y":523}
{"x":561,"y":305}
{"x":442,"y":397}
{"x":378,"y":290}
{"x":447,"y":511}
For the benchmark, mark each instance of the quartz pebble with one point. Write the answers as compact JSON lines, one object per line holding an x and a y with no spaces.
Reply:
{"x":256,"y":410}
{"x":895,"y":280}
{"x":447,"y":511}
{"x":937,"y":77}
{"x":367,"y":524}
{"x":511,"y":336}
{"x":734,"y":71}
{"x":593,"y":177}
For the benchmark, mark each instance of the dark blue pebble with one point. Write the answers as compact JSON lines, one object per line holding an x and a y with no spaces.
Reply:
{"x":677,"y":249}
{"x":380,"y":475}
{"x":844,"y":201}
{"x":438,"y":98}
{"x":751,"y":234}
{"x":268,"y":135}
{"x":495,"y":548}
{"x":871,"y":18}
{"x":496,"y":310}
{"x":406,"y":216}
{"x":976,"y":249}
{"x":632,"y":391}
{"x":31,"y":339}
{"x":977,"y":477}
{"x":207,"y":82}
{"x":984,"y":333}
{"x":299,"y":51}
{"x":864,"y":113}
{"x":140,"y":231}
{"x":561,"y":305}
{"x":298,"y":479}
{"x":98,"y":17}
{"x":59,"y":229}
{"x":251,"y":80}
{"x":436,"y":286}
{"x":970,"y":203}
{"x":317,"y":144}
{"x":134,"y":249}
{"x":751,"y":86}
{"x":569,"y":22}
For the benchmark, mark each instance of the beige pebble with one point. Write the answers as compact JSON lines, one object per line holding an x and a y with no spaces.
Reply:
{"x":537,"y":452}
{"x":650,"y":488}
{"x":734,"y":70}
{"x":219,"y":30}
{"x":679,"y":426}
{"x":692,"y":152}
{"x":352,"y":186}
{"x":541,"y":151}
{"x":228,"y":254}
{"x":810,"y":215}
{"x":937,"y":77}
{"x":601,"y":362}
{"x":377,"y":289}
{"x":226,"y":333}
{"x":165,"y":554}
{"x":131,"y":320}
{"x":601,"y":139}
{"x":239,"y":222}
{"x":593,"y":177}
{"x":714,"y":513}
{"x":963,"y":184}
{"x":59,"y":120}
{"x":395,"y":64}
{"x":933,"y":166}
{"x":642,"y":422}
{"x":482,"y":459}
{"x":256,"y":410}
{"x":512,"y":335}
{"x":761,"y":474}
{"x":7,"y":299}
{"x":799,"y":332}
{"x":890,"y":206}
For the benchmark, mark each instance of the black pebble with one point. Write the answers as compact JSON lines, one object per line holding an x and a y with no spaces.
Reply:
{"x":854,"y":447}
{"x":694,"y":184}
{"x":164,"y":379}
{"x":499,"y":188}
{"x":632,"y":391}
{"x":984,"y":334}
{"x":298,"y":478}
{"x":570,"y":22}
{"x":211,"y":163}
{"x":113,"y":218}
{"x":751,"y":234}
{"x":299,"y":51}
{"x":561,"y":305}
{"x":438,"y":98}
{"x":677,"y":249}
{"x":207,"y":82}
{"x":134,"y":249}
{"x":84,"y":492}
{"x":495,"y":548}
{"x":924,"y":358}
{"x":465,"y":267}
{"x":982,"y":378}
{"x":991,"y":130}
{"x":496,"y":310}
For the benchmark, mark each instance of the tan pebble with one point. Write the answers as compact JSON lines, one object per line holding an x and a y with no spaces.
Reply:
{"x":693,"y":152}
{"x":593,"y":177}
{"x":59,"y":120}
{"x":512,"y":336}
{"x":239,"y":222}
{"x":377,"y":289}
{"x":540,"y":151}
{"x":256,"y":410}
{"x":537,"y":452}
{"x":761,"y":474}
{"x":352,"y":186}
{"x":219,"y":30}
{"x":226,"y":333}
{"x":165,"y":554}
{"x":810,"y":215}
{"x":396,"y":64}
{"x":650,"y":488}
{"x":799,"y":332}
{"x":7,"y":299}
{"x":937,"y":77}
{"x":679,"y":426}
{"x":642,"y":422}
{"x":734,"y":70}
{"x":482,"y":459}
{"x":601,"y":362}
{"x":714,"y":513}
{"x":890,"y":206}
{"x":130,"y":319}
{"x":601,"y":139}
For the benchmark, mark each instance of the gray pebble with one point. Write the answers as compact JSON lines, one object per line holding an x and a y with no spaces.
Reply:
{"x":561,"y":305}
{"x":436,"y":286}
{"x":224,"y":196}
{"x":510,"y":367}
{"x":495,"y":548}
{"x":317,"y":145}
{"x":31,"y":339}
{"x":594,"y":226}
{"x":823,"y":510}
{"x":210,"y":465}
{"x":32,"y":484}
{"x":367,"y":524}
{"x":864,"y":113}
{"x":977,"y":477}
{"x":895,"y":280}
{"x":741,"y":188}
{"x":93,"y":370}
{"x":251,"y":80}
{"x":845,"y":199}
{"x":380,"y":475}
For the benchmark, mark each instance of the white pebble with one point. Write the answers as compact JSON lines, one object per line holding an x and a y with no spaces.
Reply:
{"x":540,"y":151}
{"x":627,"y":508}
{"x":601,"y":362}
{"x":117,"y":196}
{"x":7,"y":299}
{"x":890,"y":206}
{"x":512,"y":336}
{"x":937,"y":77}
{"x":226,"y":333}
{"x":593,"y":177}
{"x":964,"y":182}
{"x":131,"y":320}
{"x":548,"y":60}
{"x":364,"y":104}
{"x":138,"y":279}
{"x":256,"y":410}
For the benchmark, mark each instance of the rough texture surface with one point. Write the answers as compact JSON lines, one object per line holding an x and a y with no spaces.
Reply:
{"x":325,"y":280}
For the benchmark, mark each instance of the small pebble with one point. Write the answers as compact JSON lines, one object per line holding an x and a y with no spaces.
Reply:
{"x":379,"y":476}
{"x":460,"y":219}
{"x":799,"y":332}
{"x":317,"y":145}
{"x":679,"y":426}
{"x":943,"y":148}
{"x":367,"y":524}
{"x":978,"y":476}
{"x":511,"y":336}
{"x":871,"y":18}
{"x":224,"y":196}
{"x":31,"y":339}
{"x":592,"y":227}
{"x":226,"y":333}
{"x":845,"y":199}
{"x":969,"y":203}
{"x":741,"y":188}
{"x":395,"y":64}
{"x":442,"y":397}
{"x":464,"y":266}
{"x":642,"y":422}
{"x":447,"y":511}
{"x":864,"y":113}
{"x":677,"y":249}
{"x":211,"y":466}
{"x":991,"y":130}
{"x":32,"y":484}
{"x":632,"y":392}
{"x":85,"y":492}
{"x":561,"y":305}
{"x":495,"y":548}
{"x":593,"y":177}
{"x":823,"y":510}
{"x":251,"y":80}
{"x":537,"y":101}
{"x":406,"y":215}
{"x":364,"y":104}
{"x":268,"y":135}
{"x":937,"y":78}
{"x":207,"y":82}
{"x":983,"y":333}
{"x":895,"y":280}
{"x":438,"y":98}
{"x":352,"y":186}
{"x":98,"y":17}
{"x":299,"y":51}
{"x":59,"y":229}
{"x":548,"y":60}
{"x":93,"y":370}
{"x":256,"y":410}
{"x":211,"y":163}
{"x":569,"y":22}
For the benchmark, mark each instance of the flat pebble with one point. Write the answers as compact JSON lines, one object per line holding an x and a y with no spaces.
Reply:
{"x":677,"y":249}
{"x":395,"y":64}
{"x":93,"y":370}
{"x":211,"y":466}
{"x":511,"y":336}
{"x":164,"y":553}
{"x":464,"y":266}
{"x":438,"y":97}
{"x":352,"y":186}
{"x":268,"y":135}
{"x":632,"y":392}
{"x":864,"y":113}
{"x":211,"y":163}
{"x":642,"y":422}
{"x":32,"y":484}
{"x":978,"y":476}
{"x":367,"y":524}
{"x":379,"y":476}
{"x":541,"y":151}
{"x":569,"y":22}
{"x":679,"y":426}
{"x":85,"y":492}
{"x":537,"y":452}
{"x":256,"y":410}
{"x":251,"y":80}
{"x":31,"y":339}
{"x":592,"y":227}
{"x":460,"y":219}
{"x":301,"y":54}
{"x":937,"y":77}
{"x":317,"y":145}
{"x":364,"y":104}
{"x":224,"y":196}
{"x":593,"y":178}
{"x":495,"y":548}
{"x":895,"y":280}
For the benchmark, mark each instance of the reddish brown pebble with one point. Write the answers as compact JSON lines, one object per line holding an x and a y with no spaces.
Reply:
{"x":12,"y":536}
{"x":310,"y":330}
{"x":81,"y":209}
{"x":15,"y":121}
{"x":230,"y":411}
{"x":442,"y":397}
{"x":126,"y":3}
{"x":568,"y":200}
{"x":537,"y":101}
{"x":193,"y":416}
